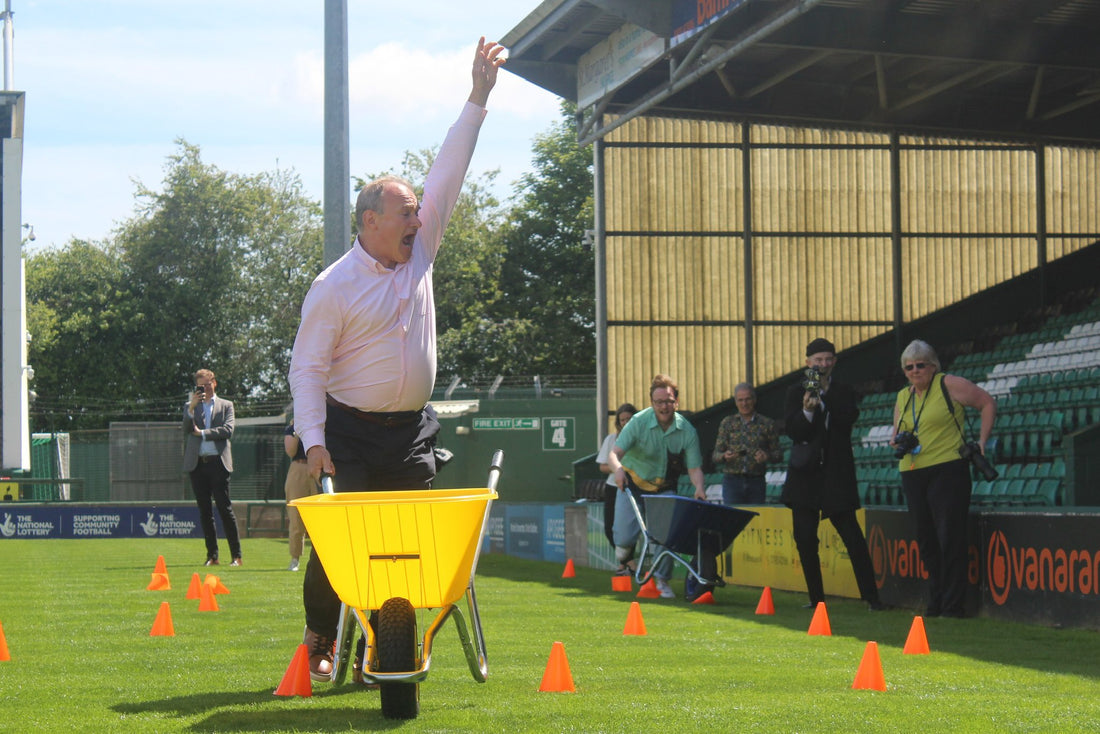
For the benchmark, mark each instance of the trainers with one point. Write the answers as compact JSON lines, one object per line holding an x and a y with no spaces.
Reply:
{"x":320,"y":655}
{"x":211,"y":562}
{"x":664,"y":588}
{"x":236,"y":561}
{"x":293,"y":565}
{"x":623,"y":571}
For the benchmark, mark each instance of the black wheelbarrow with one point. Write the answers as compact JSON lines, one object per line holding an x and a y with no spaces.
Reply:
{"x":673,"y":525}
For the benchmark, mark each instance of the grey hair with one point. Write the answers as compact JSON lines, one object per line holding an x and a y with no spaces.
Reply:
{"x":920,"y":351}
{"x":370,"y":196}
{"x":744,"y":386}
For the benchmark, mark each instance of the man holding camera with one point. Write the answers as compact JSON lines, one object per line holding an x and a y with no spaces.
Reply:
{"x":934,"y":459}
{"x":821,"y":474}
{"x":208,"y":459}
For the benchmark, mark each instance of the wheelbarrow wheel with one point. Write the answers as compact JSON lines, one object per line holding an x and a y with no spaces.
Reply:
{"x":397,"y":652}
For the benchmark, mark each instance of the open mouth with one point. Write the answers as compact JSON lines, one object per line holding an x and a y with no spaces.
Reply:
{"x":407,"y":240}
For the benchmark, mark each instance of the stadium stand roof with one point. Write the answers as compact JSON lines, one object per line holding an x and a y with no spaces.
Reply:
{"x":1001,"y":69}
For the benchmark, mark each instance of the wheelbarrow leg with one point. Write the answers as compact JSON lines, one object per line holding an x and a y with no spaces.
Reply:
{"x":345,"y":634}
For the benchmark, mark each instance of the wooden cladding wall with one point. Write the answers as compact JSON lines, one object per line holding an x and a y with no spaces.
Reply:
{"x":823,"y":242}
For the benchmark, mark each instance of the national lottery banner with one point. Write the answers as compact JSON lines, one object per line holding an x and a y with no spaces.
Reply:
{"x":49,"y":521}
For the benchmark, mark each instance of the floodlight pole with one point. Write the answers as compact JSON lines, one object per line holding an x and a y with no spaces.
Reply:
{"x":337,"y":163}
{"x":9,"y":42}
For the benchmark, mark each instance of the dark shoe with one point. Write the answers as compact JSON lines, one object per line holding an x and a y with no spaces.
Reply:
{"x":876,"y":606}
{"x":320,"y":655}
{"x":211,"y":562}
{"x":236,"y":561}
{"x":623,"y":571}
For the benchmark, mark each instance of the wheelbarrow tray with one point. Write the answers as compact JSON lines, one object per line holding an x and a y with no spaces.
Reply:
{"x":675,"y":521}
{"x":421,"y":544}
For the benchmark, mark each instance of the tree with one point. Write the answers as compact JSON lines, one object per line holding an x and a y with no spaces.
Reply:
{"x":84,"y":324}
{"x":547,"y":302}
{"x":210,"y":272}
{"x":220,"y":263}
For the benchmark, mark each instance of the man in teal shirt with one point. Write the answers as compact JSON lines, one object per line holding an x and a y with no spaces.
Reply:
{"x":650,"y":454}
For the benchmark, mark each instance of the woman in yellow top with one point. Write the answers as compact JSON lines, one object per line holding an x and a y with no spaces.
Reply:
{"x":935,"y":477}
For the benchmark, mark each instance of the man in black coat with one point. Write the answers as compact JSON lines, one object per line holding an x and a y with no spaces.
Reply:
{"x":821,"y":476}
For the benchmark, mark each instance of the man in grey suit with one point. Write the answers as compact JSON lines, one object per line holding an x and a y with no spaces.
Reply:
{"x":207,"y":457}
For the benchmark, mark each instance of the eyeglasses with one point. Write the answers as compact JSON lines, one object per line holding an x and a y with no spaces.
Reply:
{"x":915,"y":366}
{"x":665,"y":402}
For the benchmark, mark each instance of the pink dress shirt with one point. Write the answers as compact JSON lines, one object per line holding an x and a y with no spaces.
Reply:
{"x":367,"y":335}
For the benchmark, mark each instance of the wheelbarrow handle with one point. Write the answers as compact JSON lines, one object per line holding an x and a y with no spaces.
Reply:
{"x":495,"y":469}
{"x":326,"y":484}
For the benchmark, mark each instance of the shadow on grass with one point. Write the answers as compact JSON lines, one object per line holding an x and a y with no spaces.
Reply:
{"x":245,"y":711}
{"x":366,"y":718}
{"x":1067,"y":651}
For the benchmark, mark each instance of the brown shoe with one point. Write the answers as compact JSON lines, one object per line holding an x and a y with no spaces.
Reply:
{"x":320,"y":655}
{"x":211,"y":562}
{"x":236,"y":561}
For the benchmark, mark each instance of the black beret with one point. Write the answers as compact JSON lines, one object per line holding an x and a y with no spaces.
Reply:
{"x":820,"y":345}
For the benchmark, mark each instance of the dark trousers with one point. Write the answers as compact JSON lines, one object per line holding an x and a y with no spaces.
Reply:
{"x":210,"y":483}
{"x":939,"y":501}
{"x":368,"y":456}
{"x":805,"y":523}
{"x":610,"y":492}
{"x":741,"y":489}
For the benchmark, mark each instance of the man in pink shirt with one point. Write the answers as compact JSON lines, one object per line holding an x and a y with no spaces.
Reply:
{"x":363,"y":365}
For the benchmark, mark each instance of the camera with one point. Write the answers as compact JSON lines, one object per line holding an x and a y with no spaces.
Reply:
{"x":906,"y":442}
{"x":973,"y":451}
{"x":811,"y":383}
{"x":199,"y":389}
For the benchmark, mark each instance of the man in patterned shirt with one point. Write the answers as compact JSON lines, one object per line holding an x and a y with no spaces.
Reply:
{"x":746,"y":443}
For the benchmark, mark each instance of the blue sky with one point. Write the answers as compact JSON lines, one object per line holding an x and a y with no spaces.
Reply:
{"x":111,"y":84}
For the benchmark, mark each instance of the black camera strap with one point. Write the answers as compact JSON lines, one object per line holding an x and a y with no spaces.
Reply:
{"x":951,"y":409}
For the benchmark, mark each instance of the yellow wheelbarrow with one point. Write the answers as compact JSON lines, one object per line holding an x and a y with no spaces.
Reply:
{"x":395,"y":552}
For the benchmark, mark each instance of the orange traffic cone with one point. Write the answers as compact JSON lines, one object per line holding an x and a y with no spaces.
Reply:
{"x":869,"y":675}
{"x":765,"y":605}
{"x":649,"y":590}
{"x":215,"y":584}
{"x":160,"y":567}
{"x":569,"y":571}
{"x":193,"y":589}
{"x":4,"y":654}
{"x":819,"y":625}
{"x":162,"y":625}
{"x":296,"y":680}
{"x":621,"y":583}
{"x":917,"y":642}
{"x":557,"y":677}
{"x":207,"y":602}
{"x":159,"y":582}
{"x":635,"y":625}
{"x":705,"y":598}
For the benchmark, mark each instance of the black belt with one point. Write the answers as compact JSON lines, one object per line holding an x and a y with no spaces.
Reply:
{"x":400,"y":418}
{"x":208,"y":459}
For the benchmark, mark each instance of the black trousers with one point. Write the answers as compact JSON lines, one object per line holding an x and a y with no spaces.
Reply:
{"x":939,"y":501}
{"x":610,"y":493}
{"x":805,"y":522}
{"x":210,"y":483}
{"x":368,"y":456}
